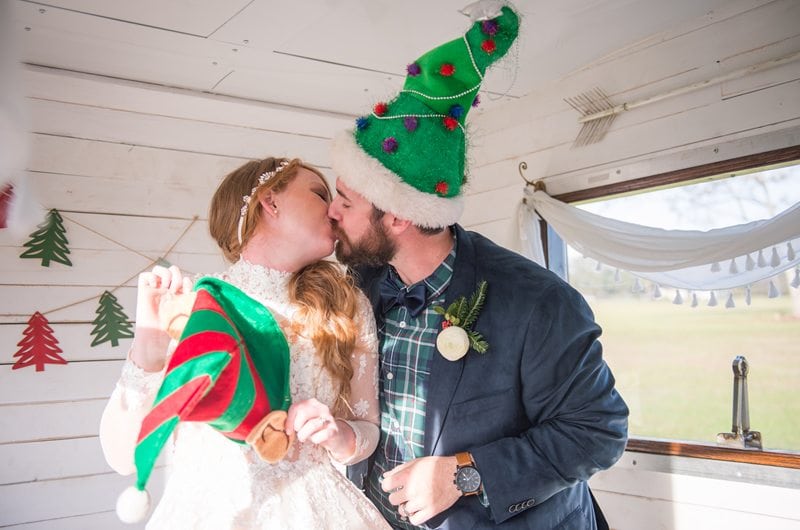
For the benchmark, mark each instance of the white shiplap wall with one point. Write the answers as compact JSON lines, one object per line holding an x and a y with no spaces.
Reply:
{"x":129,"y":166}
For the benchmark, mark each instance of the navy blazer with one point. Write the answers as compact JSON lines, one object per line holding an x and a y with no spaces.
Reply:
{"x":538,"y":411}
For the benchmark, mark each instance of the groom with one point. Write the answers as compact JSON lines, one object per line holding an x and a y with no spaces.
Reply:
{"x":499,"y":408}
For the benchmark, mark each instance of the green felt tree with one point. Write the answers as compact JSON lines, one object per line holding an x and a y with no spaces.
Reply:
{"x":111,"y":323}
{"x":49,"y":242}
{"x":38,"y":346}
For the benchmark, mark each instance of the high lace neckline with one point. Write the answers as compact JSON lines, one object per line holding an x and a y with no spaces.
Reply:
{"x":260,"y":281}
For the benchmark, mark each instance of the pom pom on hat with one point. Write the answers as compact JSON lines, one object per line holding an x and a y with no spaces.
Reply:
{"x":489,"y":27}
{"x":450,"y":123}
{"x":390,"y":145}
{"x":447,"y":69}
{"x":413,"y":69}
{"x":456,"y":111}
{"x":488,"y":46}
{"x":410,"y":123}
{"x":133,"y":505}
{"x":362,"y":123}
{"x":380,"y":109}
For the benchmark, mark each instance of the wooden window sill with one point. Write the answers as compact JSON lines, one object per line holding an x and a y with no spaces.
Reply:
{"x":714,"y":452}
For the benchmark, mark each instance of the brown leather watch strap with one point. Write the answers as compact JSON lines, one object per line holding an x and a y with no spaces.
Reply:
{"x":464,"y":459}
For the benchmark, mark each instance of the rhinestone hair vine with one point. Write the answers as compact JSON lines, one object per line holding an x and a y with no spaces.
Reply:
{"x":262,"y":179}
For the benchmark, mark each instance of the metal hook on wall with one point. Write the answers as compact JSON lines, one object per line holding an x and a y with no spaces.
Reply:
{"x":522,"y":167}
{"x":538,"y":185}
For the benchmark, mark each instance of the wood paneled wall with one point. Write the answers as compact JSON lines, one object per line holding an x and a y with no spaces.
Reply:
{"x":132,"y":166}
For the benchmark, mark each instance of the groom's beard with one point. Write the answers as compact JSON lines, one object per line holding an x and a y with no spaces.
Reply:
{"x":374,"y":249}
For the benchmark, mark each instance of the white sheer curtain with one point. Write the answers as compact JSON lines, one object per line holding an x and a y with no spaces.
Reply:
{"x":720,"y":259}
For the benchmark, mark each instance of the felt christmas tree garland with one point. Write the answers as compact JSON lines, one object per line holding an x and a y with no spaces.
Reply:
{"x":38,"y":346}
{"x":49,"y":242}
{"x":111,"y":323}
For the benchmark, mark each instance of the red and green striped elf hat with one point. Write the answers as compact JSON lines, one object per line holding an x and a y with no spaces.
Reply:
{"x":229,"y":370}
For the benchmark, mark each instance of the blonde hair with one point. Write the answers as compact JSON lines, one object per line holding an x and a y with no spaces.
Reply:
{"x":325,"y":294}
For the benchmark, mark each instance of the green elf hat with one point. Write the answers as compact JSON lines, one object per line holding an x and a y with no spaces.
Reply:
{"x":229,"y":370}
{"x":408,"y":156}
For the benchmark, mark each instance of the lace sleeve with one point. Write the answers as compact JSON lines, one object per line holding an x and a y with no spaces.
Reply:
{"x":364,"y":415}
{"x":129,"y":403}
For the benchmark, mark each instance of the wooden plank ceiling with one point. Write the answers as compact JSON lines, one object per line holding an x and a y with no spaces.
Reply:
{"x":336,"y":56}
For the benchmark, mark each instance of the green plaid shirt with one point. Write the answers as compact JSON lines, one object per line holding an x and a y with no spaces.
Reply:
{"x":407,"y":346}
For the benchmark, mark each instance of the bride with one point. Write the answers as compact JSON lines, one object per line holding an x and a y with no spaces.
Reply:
{"x":276,"y":239}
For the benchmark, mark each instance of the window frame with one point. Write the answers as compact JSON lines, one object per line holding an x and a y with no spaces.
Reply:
{"x":700,"y":173}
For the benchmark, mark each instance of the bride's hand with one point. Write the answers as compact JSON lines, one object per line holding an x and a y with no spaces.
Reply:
{"x":150,"y":342}
{"x":154,"y":287}
{"x":312,"y":421}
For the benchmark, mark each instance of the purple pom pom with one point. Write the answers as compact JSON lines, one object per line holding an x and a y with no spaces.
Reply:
{"x":456,"y":111}
{"x":390,"y":145}
{"x":362,"y":123}
{"x":489,"y":27}
{"x":413,"y":69}
{"x":410,"y":123}
{"x":477,"y":100}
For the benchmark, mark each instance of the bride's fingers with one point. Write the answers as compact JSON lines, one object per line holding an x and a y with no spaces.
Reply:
{"x":147,"y":279}
{"x":175,"y":280}
{"x":161,"y":277}
{"x":315,"y":430}
{"x":187,"y":285}
{"x":301,"y":412}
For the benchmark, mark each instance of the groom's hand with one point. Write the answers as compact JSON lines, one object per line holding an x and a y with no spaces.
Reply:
{"x":422,"y":488}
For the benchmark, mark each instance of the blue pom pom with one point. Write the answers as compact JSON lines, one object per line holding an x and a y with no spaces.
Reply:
{"x":362,"y":123}
{"x":456,"y":111}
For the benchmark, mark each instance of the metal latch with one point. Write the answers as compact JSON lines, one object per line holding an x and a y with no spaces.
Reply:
{"x":741,"y":436}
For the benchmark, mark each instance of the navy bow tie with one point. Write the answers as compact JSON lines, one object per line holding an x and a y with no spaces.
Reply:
{"x":392,"y":295}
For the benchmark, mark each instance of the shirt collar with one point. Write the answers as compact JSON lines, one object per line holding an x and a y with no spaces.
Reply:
{"x":436,"y":283}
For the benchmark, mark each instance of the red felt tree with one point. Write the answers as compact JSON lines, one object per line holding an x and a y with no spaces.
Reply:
{"x":49,"y":242}
{"x":111,"y":323}
{"x":38,"y":346}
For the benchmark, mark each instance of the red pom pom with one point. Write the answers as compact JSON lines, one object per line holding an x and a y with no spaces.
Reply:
{"x":447,"y":69}
{"x":488,"y":46}
{"x":450,"y":123}
{"x":441,"y":187}
{"x":380,"y":109}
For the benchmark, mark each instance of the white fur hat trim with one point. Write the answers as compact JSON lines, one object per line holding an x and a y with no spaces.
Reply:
{"x":386,"y":190}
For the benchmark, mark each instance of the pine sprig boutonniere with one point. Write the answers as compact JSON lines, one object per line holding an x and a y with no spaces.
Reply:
{"x":457,"y":334}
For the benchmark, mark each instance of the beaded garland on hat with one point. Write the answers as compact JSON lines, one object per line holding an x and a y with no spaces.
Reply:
{"x":262,"y":179}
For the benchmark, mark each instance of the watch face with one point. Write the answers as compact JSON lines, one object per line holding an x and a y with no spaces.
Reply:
{"x":468,"y":479}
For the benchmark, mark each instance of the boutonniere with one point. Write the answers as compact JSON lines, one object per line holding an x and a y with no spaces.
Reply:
{"x":457,"y":334}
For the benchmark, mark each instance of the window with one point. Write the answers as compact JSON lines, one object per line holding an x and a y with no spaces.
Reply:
{"x":673,"y":362}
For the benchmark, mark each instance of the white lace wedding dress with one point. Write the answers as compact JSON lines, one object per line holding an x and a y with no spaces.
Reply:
{"x":216,"y":484}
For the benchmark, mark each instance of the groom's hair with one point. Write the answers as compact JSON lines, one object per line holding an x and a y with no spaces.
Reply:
{"x":377,"y":214}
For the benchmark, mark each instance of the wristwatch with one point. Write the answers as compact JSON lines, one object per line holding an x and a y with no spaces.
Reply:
{"x":468,"y":480}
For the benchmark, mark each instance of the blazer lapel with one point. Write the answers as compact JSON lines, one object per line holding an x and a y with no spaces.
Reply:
{"x":445,"y":375}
